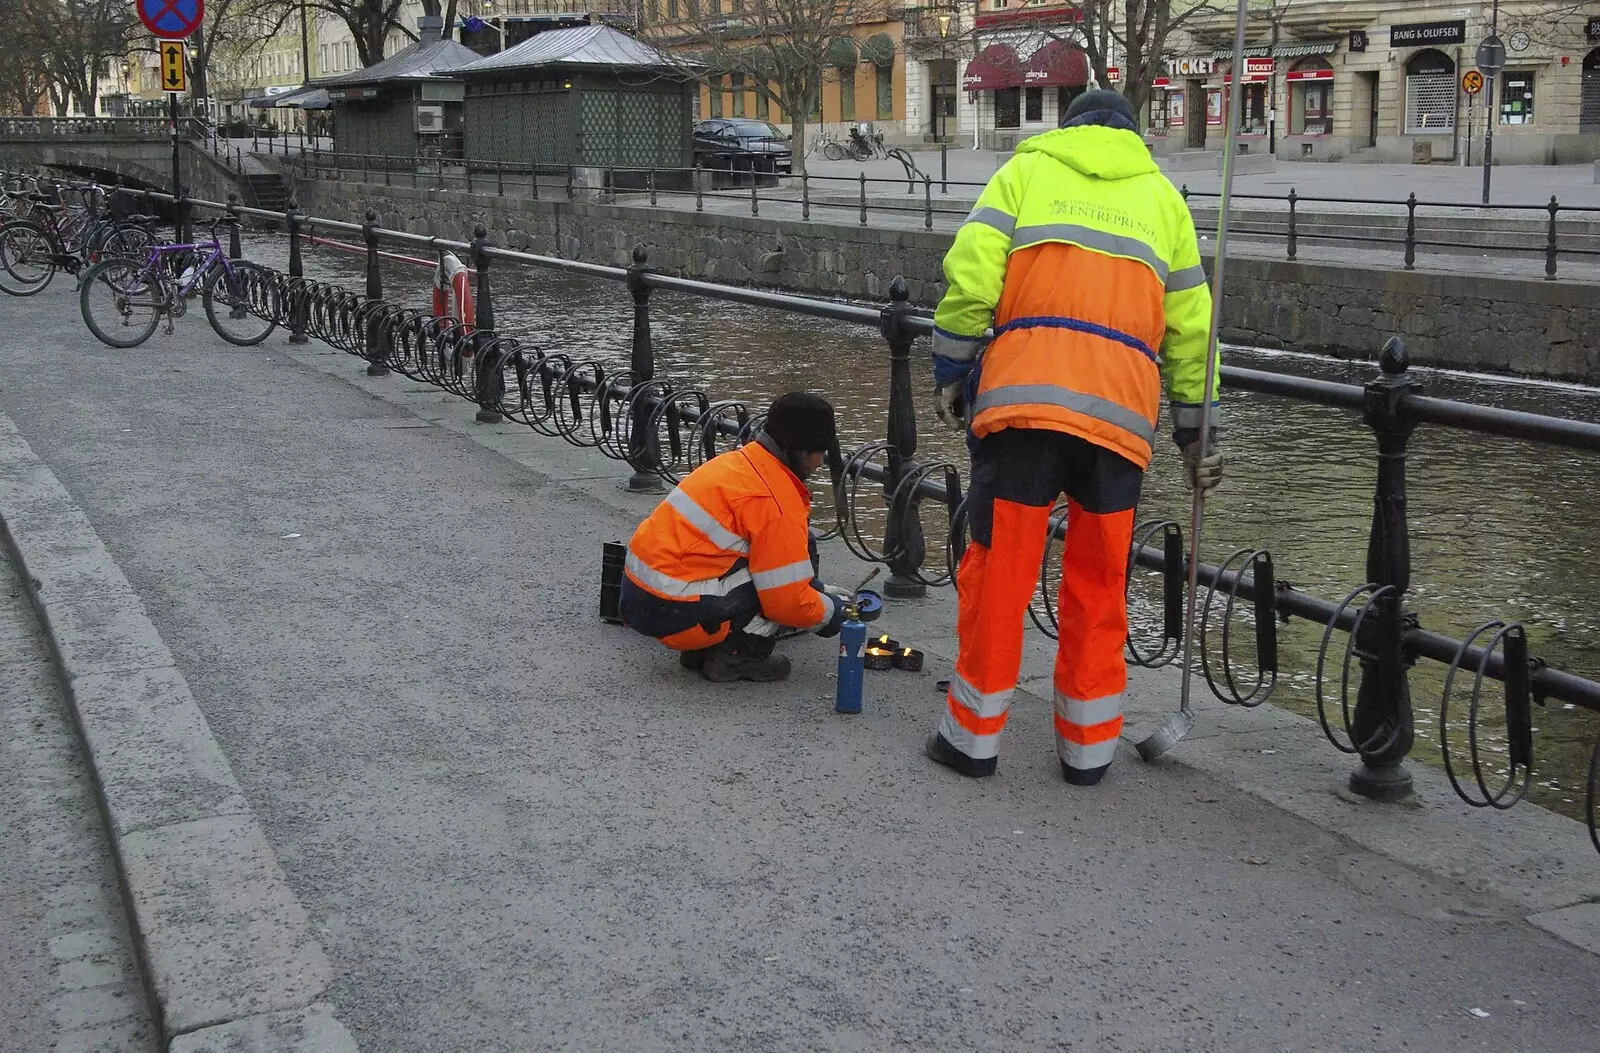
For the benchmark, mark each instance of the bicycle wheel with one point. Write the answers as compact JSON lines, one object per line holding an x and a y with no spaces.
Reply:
{"x":833,"y":152}
{"x":26,"y":258}
{"x":859,"y":151}
{"x":120,"y":304}
{"x":128,"y":241}
{"x":243,"y":307}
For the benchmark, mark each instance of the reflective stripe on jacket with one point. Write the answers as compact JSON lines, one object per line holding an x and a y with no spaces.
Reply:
{"x":1083,"y":258}
{"x":741,"y":518}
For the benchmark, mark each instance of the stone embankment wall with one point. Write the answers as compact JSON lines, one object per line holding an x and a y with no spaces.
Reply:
{"x":1532,"y":328}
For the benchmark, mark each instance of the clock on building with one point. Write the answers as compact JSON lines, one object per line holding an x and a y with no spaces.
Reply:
{"x":1518,"y":41}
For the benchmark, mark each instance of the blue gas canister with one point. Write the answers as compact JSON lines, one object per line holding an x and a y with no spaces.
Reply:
{"x":852,"y":652}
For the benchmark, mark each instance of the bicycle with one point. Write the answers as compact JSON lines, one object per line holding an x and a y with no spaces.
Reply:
{"x":55,"y":236}
{"x":123,"y":300}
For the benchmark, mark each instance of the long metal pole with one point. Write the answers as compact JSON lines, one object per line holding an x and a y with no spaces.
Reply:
{"x":1489,"y":110}
{"x":1164,"y":738}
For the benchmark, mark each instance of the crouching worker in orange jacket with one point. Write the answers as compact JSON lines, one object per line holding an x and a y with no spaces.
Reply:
{"x":727,"y":563}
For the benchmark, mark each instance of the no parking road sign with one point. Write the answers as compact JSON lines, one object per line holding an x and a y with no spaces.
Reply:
{"x":172,"y":19}
{"x":1472,"y":82}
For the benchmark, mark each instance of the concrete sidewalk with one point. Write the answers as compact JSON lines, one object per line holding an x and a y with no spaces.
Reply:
{"x":515,"y":829}
{"x":1573,"y":185}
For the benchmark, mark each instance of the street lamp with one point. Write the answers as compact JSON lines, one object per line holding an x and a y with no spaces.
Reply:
{"x":938,"y":98}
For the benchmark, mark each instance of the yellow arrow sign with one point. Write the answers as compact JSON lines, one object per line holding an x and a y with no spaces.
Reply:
{"x":174,"y":76}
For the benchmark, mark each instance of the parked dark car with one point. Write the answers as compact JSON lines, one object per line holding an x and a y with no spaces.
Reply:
{"x":743,"y":145}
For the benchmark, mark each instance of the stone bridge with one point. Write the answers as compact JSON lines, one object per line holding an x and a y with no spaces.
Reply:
{"x":135,"y":150}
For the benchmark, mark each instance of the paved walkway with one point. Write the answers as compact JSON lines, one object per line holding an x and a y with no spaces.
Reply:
{"x":68,"y":979}
{"x":1572,"y":185}
{"x":516,"y":829}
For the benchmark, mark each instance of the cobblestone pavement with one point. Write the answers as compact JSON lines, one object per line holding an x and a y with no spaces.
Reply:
{"x":68,"y":981}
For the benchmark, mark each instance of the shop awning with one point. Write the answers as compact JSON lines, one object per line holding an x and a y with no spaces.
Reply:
{"x":1057,"y":64}
{"x":1313,"y":47}
{"x":996,"y":66}
{"x":309,"y":98}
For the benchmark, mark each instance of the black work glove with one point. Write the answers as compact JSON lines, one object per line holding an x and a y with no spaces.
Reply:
{"x":831,"y":627}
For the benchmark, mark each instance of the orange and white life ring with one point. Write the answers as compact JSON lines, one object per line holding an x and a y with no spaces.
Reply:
{"x":452,"y":291}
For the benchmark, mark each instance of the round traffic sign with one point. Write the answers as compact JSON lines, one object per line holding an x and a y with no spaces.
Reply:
{"x":1492,"y":55}
{"x":1472,"y":82}
{"x":172,"y":19}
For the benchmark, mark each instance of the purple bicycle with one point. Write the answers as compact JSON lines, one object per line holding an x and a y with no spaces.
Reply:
{"x":123,"y":300}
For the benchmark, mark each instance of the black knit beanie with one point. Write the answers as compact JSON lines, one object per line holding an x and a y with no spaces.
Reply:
{"x":1101,"y":106}
{"x":800,"y":422}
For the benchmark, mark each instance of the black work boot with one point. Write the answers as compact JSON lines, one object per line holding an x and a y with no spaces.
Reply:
{"x":1083,"y":776}
{"x":938,"y":749}
{"x":695,"y":660}
{"x":744,"y":657}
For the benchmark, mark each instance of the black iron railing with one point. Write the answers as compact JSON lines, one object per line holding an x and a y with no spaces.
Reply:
{"x":663,"y":429}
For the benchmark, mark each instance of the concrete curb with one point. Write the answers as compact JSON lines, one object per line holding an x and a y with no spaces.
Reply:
{"x":227,"y":950}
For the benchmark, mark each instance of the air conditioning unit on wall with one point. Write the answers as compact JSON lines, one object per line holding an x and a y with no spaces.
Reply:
{"x":430,"y":119}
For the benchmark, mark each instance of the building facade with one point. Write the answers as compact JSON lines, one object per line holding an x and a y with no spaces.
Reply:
{"x":1387,"y":80}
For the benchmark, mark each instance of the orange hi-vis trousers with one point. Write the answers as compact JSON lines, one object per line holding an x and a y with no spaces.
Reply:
{"x":1017,"y":475}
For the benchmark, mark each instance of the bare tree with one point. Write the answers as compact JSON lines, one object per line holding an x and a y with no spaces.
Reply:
{"x":22,"y":69}
{"x":779,"y":48}
{"x":370,"y":21}
{"x":72,"y":41}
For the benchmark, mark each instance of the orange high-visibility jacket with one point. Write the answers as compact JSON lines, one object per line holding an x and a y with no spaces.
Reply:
{"x":741,"y":518}
{"x":1083,"y":258}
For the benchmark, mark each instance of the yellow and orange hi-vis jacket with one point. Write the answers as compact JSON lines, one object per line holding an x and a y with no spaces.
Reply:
{"x":1083,"y":258}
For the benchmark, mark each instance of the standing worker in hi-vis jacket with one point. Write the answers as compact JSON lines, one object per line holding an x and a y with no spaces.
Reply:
{"x":1082,"y":257}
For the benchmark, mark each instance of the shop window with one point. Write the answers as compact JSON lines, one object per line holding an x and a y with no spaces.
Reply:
{"x":714,"y":85}
{"x":1430,"y":93}
{"x":1516,"y":97}
{"x":1311,"y":97}
{"x":885,"y":87}
{"x":1033,"y":104}
{"x":1589,"y":99}
{"x":738,"y":93}
{"x":847,"y":94}
{"x":1008,"y":108}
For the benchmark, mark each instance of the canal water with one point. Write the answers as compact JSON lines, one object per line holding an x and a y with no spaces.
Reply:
{"x":1500,"y":528}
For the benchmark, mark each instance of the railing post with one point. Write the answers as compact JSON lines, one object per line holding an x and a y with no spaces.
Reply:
{"x":569,"y":182}
{"x":903,"y":535}
{"x":467,"y":167}
{"x":944,"y":166}
{"x":1382,"y":728}
{"x":1411,"y":232}
{"x":755,"y":198}
{"x":1294,"y":232}
{"x":643,"y":454}
{"x":490,"y":377}
{"x":652,"y":186}
{"x":863,"y":199}
{"x":699,"y":194}
{"x":364,"y":169}
{"x":927,"y":202}
{"x":234,"y":251}
{"x":805,"y":195}
{"x":185,"y":215}
{"x":1550,"y":245}
{"x":1183,"y":191}
{"x":500,"y":178}
{"x":297,"y":297}
{"x":377,"y":354}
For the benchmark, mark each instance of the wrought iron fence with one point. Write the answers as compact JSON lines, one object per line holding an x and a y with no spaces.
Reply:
{"x":663,"y":428}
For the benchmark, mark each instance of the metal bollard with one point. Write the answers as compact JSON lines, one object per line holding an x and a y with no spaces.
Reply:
{"x":903,"y":534}
{"x":863,"y":199}
{"x":490,"y":378}
{"x":1382,"y":725}
{"x":234,"y":250}
{"x":500,"y":178}
{"x":643,"y":454}
{"x":699,"y":194}
{"x":377,"y":353}
{"x":805,"y":195}
{"x":944,"y":167}
{"x":1183,"y":192}
{"x":927,"y":202}
{"x":755,"y":200}
{"x":185,"y":216}
{"x":652,"y":186}
{"x":297,"y":299}
{"x":1294,"y":232}
{"x":1411,"y":232}
{"x":1550,"y":245}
